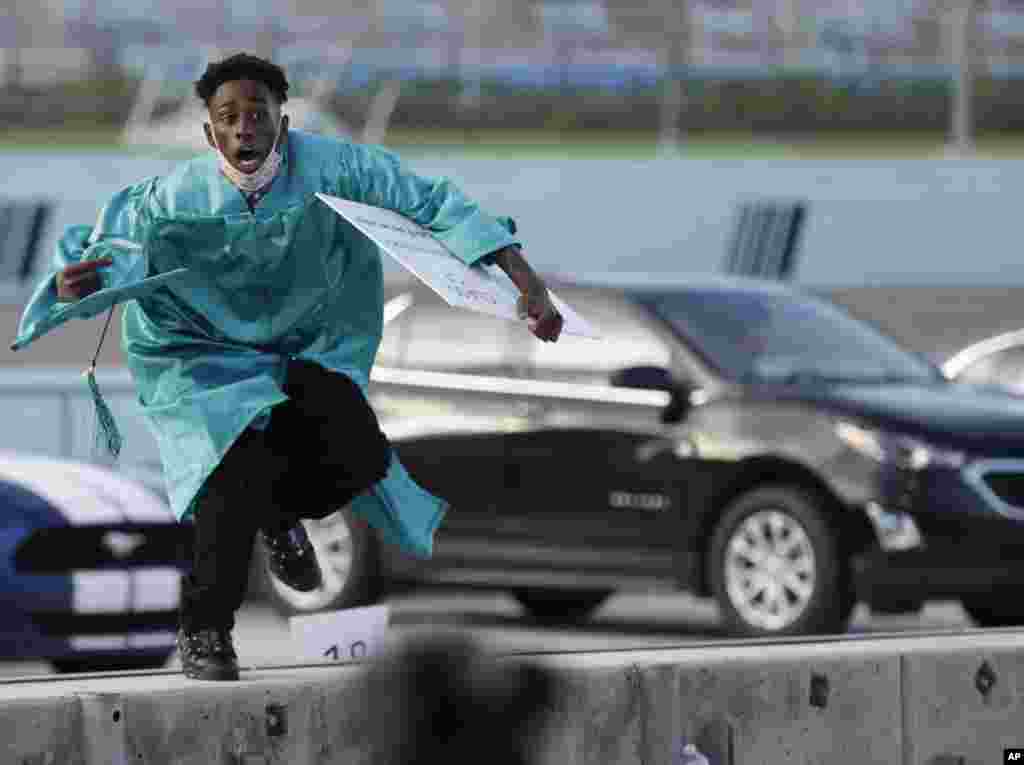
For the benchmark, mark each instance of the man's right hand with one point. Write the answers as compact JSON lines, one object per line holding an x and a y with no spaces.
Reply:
{"x":80,"y":279}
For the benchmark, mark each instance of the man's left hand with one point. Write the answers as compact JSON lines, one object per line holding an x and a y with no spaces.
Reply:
{"x":534,"y":302}
{"x":540,"y":313}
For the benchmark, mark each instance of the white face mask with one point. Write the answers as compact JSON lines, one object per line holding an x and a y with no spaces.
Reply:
{"x":259,"y":177}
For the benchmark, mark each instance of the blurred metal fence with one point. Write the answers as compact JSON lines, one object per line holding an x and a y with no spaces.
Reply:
{"x":22,"y":227}
{"x":766,"y":239}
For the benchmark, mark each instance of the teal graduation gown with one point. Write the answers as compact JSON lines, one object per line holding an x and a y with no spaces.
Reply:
{"x":218,"y":299}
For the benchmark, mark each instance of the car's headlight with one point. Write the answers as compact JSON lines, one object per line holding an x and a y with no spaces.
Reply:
{"x":896,"y":449}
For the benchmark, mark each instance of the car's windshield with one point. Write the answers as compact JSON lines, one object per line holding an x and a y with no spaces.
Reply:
{"x":773,"y":336}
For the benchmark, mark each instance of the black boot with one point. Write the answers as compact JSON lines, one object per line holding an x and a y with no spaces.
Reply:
{"x":292,"y":558}
{"x":207,"y":654}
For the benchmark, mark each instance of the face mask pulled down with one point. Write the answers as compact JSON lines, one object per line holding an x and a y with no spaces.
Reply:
{"x":259,"y":177}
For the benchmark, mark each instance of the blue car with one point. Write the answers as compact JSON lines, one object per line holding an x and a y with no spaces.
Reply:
{"x":90,"y":566}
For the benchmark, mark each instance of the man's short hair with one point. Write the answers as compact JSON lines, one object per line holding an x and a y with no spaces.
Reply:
{"x":242,"y":66}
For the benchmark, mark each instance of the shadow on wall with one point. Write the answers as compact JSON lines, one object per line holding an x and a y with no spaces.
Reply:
{"x":443,"y":699}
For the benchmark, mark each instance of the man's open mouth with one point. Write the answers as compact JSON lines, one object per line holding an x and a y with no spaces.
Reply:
{"x":248,"y":160}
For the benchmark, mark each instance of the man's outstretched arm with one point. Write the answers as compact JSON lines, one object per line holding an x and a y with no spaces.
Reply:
{"x":374,"y":176}
{"x":535,"y":302}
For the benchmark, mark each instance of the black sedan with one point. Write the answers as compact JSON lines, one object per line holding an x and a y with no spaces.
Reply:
{"x":737,"y":438}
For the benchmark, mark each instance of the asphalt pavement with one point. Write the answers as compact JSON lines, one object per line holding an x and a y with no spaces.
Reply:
{"x":263,"y":638}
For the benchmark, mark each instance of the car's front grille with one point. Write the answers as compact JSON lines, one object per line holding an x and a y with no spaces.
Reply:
{"x":59,"y":549}
{"x":1009,"y":487}
{"x":105,"y":603}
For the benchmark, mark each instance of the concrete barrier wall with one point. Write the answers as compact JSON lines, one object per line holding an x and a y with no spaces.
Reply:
{"x":920,"y":700}
{"x":774,"y":710}
{"x":294,"y":716}
{"x":41,"y":731}
{"x":963,"y":707}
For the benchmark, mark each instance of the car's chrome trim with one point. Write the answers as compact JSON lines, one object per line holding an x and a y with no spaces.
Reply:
{"x":411,"y":378}
{"x":118,"y":590}
{"x":140,"y":641}
{"x":548,"y":579}
{"x":551,"y":555}
{"x":98,"y":642}
{"x":974,"y":474}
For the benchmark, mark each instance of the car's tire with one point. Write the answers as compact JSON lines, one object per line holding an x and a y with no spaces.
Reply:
{"x":110,"y":663}
{"x":349,"y":556}
{"x":990,"y":610}
{"x":802,"y":585}
{"x":546,"y":606}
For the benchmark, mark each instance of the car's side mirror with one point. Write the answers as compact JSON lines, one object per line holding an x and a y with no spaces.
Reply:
{"x":656,"y":378}
{"x":678,"y":407}
{"x":646,"y":377}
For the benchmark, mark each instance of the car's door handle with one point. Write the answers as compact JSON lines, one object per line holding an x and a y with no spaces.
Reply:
{"x":532,"y":409}
{"x":680,"y":447}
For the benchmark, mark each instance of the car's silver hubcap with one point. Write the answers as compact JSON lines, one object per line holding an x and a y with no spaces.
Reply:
{"x":769,"y":570}
{"x":331,"y":538}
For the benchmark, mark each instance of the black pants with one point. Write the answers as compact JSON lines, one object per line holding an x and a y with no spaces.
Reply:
{"x":323,"y":447}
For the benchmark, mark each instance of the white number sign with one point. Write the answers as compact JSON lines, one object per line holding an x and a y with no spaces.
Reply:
{"x":347,"y":635}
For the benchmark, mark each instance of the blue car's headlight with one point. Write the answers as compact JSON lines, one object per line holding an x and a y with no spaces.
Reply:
{"x":896,"y":449}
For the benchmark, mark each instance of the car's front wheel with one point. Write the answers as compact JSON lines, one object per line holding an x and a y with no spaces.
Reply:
{"x":774,"y":565}
{"x":349,"y":559}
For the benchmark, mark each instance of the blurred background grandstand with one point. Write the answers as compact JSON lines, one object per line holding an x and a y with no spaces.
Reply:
{"x":767,"y":66}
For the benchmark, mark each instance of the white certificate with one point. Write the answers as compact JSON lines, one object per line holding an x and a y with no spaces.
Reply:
{"x":478,"y":288}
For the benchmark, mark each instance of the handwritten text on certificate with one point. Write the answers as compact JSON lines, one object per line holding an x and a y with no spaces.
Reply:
{"x":478,"y":288}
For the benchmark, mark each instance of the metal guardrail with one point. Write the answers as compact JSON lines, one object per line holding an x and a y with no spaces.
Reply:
{"x":61,"y":428}
{"x":68,"y":381}
{"x":26,"y":421}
